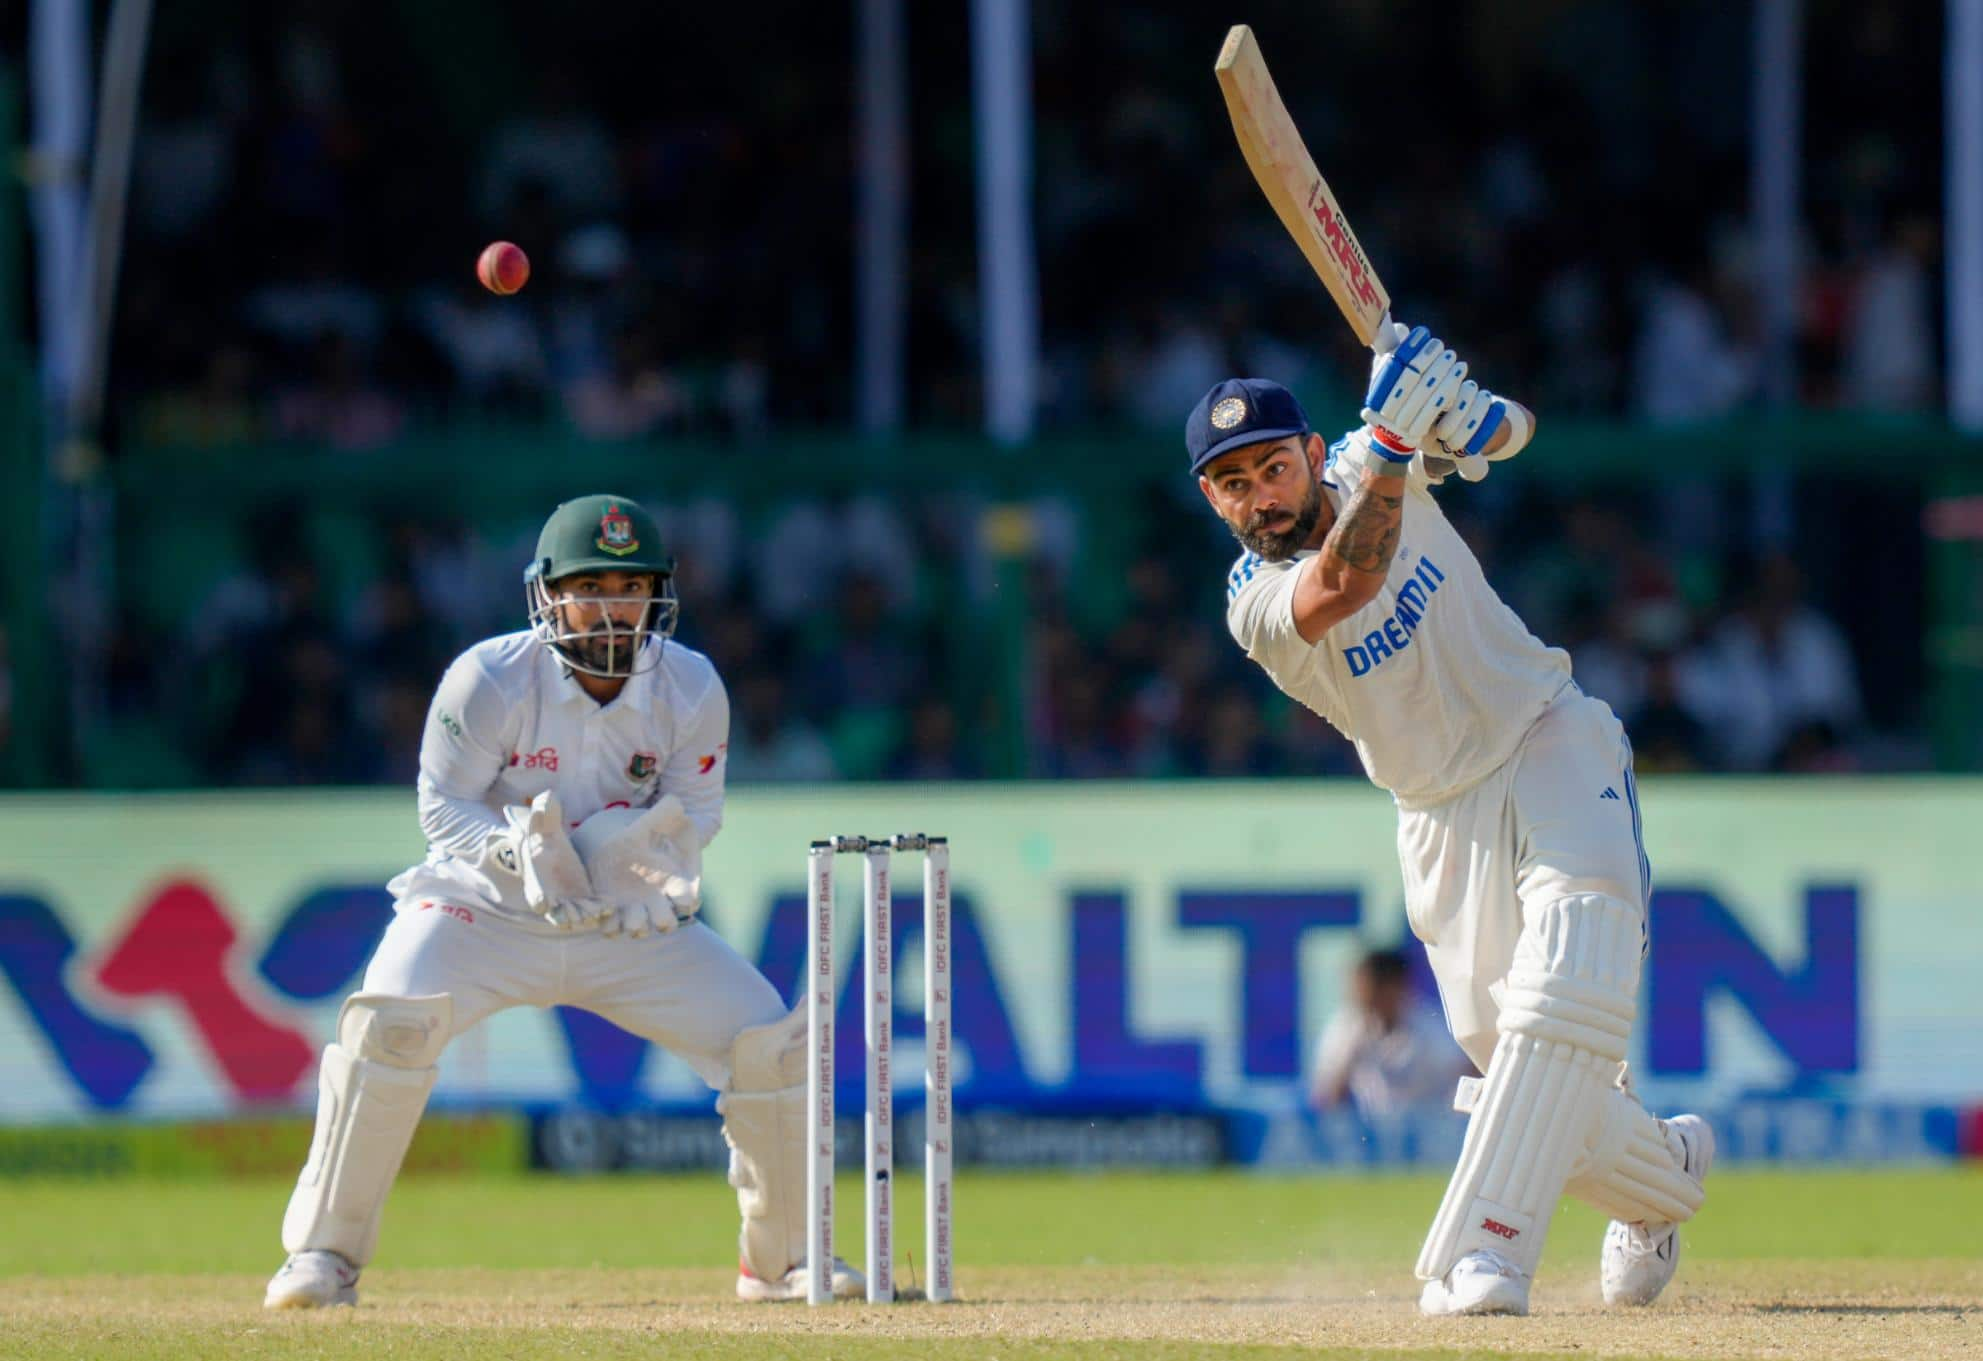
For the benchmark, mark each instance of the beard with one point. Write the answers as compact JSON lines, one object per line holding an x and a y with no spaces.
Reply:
{"x":602,"y":653}
{"x":1280,"y":545}
{"x":607,"y":650}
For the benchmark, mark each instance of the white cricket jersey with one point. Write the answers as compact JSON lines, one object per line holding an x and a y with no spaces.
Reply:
{"x":1435,"y":680}
{"x":508,"y":722}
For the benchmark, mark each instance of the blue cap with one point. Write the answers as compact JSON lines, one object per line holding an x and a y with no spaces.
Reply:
{"x":1240,"y":411}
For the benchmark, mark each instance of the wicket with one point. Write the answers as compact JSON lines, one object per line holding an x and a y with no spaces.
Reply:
{"x":877,"y":924}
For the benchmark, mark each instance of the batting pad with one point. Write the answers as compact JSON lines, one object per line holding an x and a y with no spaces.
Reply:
{"x":1566,"y":1016}
{"x":1633,"y":1170}
{"x":371,"y":1089}
{"x":764,"y":1120}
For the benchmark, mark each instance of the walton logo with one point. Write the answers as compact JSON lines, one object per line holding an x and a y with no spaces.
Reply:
{"x":1496,"y":1226}
{"x":174,"y":1005}
{"x":179,"y":948}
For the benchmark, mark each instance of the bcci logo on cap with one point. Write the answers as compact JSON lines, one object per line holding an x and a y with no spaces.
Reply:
{"x":616,"y":533}
{"x":1228,"y":413}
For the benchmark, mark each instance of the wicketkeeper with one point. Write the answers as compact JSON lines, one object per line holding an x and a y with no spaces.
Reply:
{"x":1518,"y":820}
{"x":570,"y":776}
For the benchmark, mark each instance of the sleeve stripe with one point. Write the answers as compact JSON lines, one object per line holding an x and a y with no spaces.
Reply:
{"x":1241,"y":573}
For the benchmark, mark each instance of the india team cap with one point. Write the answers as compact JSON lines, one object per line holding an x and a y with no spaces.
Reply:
{"x":1240,"y":411}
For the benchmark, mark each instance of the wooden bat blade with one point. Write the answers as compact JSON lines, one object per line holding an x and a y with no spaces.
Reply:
{"x":1302,"y":200}
{"x":1287,"y":175}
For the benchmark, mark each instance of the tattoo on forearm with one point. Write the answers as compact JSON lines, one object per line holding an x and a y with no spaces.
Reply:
{"x":1366,"y":533}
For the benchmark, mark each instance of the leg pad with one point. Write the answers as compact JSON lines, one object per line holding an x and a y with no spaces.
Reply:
{"x":371,"y":1089}
{"x":764,"y":1120}
{"x":1566,"y":1016}
{"x":1633,"y":1169}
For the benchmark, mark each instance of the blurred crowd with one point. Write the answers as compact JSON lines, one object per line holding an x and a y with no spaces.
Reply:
{"x":311,"y":190}
{"x":313,"y":182}
{"x":915,"y":637}
{"x":310,"y":196}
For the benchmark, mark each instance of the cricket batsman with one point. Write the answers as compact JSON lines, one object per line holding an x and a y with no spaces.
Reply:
{"x":1518,"y":821}
{"x":570,"y":776}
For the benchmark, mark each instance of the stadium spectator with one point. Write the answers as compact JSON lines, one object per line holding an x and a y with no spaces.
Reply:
{"x":338,"y":404}
{"x":1890,"y":324}
{"x":636,"y":394}
{"x":1385,"y":1051}
{"x":768,"y":742}
{"x":1233,"y":741}
{"x":560,"y":147}
{"x":871,"y":661}
{"x":933,"y":750}
{"x":1667,"y":738}
{"x":494,"y":353}
{"x":1688,"y":364}
{"x":1773,"y":667}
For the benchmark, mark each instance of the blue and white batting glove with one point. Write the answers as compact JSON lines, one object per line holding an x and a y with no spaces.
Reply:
{"x":1410,"y":389}
{"x":1470,"y":426}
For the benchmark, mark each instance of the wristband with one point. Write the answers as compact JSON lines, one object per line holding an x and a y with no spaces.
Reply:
{"x":1388,"y":446}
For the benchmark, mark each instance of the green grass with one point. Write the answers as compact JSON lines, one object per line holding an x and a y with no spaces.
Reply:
{"x":1053,"y":1267}
{"x":123,"y":1227}
{"x":485,"y":1344}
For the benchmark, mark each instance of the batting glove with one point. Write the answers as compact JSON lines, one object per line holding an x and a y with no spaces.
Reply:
{"x":1476,"y":417}
{"x":1411,"y":387}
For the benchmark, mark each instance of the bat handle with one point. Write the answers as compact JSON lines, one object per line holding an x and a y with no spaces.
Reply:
{"x":1385,"y":340}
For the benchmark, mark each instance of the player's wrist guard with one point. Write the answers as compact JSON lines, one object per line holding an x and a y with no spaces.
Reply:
{"x":1390,"y":455}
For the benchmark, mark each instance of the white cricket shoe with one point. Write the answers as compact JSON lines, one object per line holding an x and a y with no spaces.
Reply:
{"x":1482,"y":1282}
{"x":848,"y":1284}
{"x":1639,"y":1259}
{"x":312,"y":1280}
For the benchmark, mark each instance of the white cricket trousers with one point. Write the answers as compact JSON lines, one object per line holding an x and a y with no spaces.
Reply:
{"x":1560,"y":816}
{"x":687,"y":991}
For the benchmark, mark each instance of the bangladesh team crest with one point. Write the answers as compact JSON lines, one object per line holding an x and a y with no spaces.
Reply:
{"x":641,"y":768}
{"x":616,"y":533}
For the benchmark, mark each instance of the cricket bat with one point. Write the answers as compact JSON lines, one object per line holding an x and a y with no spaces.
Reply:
{"x":1302,"y":200}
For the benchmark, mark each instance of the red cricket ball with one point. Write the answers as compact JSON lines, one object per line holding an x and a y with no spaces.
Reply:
{"x":503,"y":267}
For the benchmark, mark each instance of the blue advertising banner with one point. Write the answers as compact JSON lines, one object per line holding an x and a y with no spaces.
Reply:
{"x":1157,"y":956}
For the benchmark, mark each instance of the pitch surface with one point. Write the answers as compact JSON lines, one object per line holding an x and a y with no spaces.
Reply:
{"x":1111,"y":1265}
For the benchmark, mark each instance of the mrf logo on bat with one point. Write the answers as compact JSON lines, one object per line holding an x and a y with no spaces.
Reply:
{"x":1346,"y":248}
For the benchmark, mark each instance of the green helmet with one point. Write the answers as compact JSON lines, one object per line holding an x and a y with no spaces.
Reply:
{"x":601,"y":534}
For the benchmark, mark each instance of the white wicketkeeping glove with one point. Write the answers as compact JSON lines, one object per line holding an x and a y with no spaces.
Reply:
{"x":1411,"y":387}
{"x":537,"y":848}
{"x":647,"y":864}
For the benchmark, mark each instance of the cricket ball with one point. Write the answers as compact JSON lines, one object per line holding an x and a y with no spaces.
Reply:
{"x":503,"y":267}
